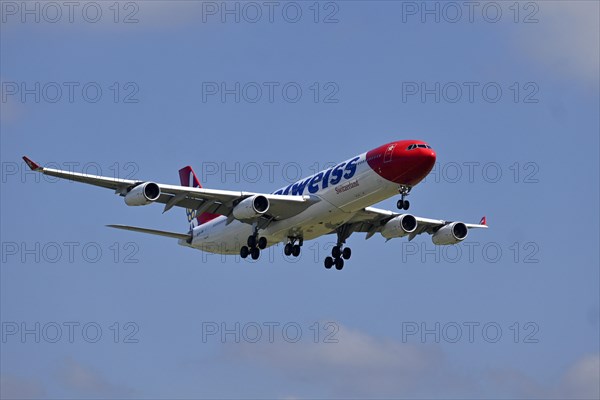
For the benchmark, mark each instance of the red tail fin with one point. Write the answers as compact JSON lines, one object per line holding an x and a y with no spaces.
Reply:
{"x":188,"y":178}
{"x":483,"y":221}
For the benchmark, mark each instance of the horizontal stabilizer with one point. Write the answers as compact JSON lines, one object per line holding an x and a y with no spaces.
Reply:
{"x":183,"y":236}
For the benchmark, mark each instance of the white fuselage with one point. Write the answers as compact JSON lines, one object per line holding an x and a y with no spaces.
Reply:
{"x":355,"y":189}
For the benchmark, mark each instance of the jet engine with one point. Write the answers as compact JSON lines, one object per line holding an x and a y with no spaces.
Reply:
{"x":251,"y":207}
{"x":451,"y":233}
{"x":399,"y":226}
{"x":142,"y":194}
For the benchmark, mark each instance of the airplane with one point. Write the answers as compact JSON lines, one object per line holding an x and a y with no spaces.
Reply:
{"x":337,"y":200}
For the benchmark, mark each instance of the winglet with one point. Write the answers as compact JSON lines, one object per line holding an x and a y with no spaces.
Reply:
{"x":32,"y":164}
{"x":483,"y":221}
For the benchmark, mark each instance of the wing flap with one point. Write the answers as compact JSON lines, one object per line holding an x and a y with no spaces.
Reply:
{"x":175,"y":235}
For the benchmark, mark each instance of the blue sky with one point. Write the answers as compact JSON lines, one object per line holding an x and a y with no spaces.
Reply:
{"x":525,"y":156}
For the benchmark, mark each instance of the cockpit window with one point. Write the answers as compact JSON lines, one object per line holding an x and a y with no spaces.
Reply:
{"x":420,"y":146}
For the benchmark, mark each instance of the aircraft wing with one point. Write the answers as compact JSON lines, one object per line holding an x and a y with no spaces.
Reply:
{"x":213,"y":201}
{"x":371,"y":220}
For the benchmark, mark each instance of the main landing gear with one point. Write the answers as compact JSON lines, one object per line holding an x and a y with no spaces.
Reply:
{"x":255,"y":245}
{"x":339,"y":253}
{"x":403,"y":204}
{"x":291,"y":248}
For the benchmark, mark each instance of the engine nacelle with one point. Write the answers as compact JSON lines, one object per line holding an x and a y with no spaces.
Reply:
{"x":452,"y":233}
{"x":399,"y":226}
{"x":251,"y":207}
{"x":143,"y":194}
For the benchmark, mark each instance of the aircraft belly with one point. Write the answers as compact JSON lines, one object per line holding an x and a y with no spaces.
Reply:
{"x":320,"y":219}
{"x":222,"y":238}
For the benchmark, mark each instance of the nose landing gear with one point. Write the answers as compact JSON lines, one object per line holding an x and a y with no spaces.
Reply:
{"x":403,"y":204}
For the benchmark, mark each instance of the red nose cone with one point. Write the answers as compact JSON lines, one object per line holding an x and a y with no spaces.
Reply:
{"x":405,"y":162}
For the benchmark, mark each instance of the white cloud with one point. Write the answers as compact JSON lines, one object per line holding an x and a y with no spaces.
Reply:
{"x":566,"y":38}
{"x":360,"y":365}
{"x":89,"y":382}
{"x":12,"y":387}
{"x":582,"y":379}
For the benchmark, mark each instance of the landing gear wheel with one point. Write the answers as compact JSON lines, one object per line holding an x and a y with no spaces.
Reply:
{"x":403,"y":204}
{"x":339,"y":263}
{"x":262,"y":243}
{"x":328,"y":262}
{"x":404,"y":191}
{"x":255,"y":253}
{"x":251,"y":241}
{"x":287,"y":250}
{"x":296,"y":250}
{"x":346,"y":253}
{"x":244,"y":251}
{"x":336,"y":252}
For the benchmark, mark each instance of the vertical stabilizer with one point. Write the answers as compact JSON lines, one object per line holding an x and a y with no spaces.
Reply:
{"x":188,"y":178}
